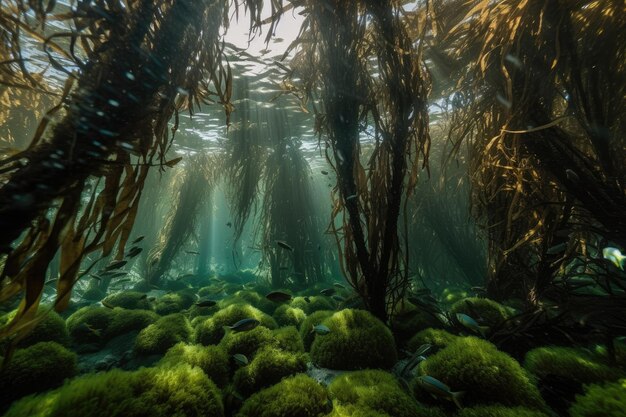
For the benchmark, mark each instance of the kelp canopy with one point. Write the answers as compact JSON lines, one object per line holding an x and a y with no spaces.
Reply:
{"x":529,"y":96}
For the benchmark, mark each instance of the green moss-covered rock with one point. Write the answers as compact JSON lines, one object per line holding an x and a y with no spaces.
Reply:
{"x":438,"y":338}
{"x":315,"y":303}
{"x":307,"y":325}
{"x":87,"y":324}
{"x":211,"y":331}
{"x":37,"y":368}
{"x":377,"y":391}
{"x":357,"y":340}
{"x":486,"y":375}
{"x":213,"y":360}
{"x":130,"y":300}
{"x":408,"y":322}
{"x":288,"y":316}
{"x":297,"y":396}
{"x":252,"y":298}
{"x":268,"y":367}
{"x":163,"y":334}
{"x":607,"y":400}
{"x":180,"y":391}
{"x":452,"y":295}
{"x":125,"y":321}
{"x":288,"y":338}
{"x":499,"y":411}
{"x":247,"y":343}
{"x":485,"y":311}
{"x":50,"y":328}
{"x":174,"y":302}
{"x":572,"y":363}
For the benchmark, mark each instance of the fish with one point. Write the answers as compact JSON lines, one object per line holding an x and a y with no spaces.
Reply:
{"x":615,"y":256}
{"x":240,"y":359}
{"x":328,"y":291}
{"x":320,"y":329}
{"x":134,"y":251}
{"x":572,"y":175}
{"x":324,"y":172}
{"x":438,"y":389}
{"x":284,"y":245}
{"x":115,"y":265}
{"x":278,"y":296}
{"x":338,"y":298}
{"x":192,"y":252}
{"x":107,"y":305}
{"x":307,"y":299}
{"x":338,"y":285}
{"x":244,"y":325}
{"x":229,"y":224}
{"x":139,"y":239}
{"x":471,"y":324}
{"x":206,"y":303}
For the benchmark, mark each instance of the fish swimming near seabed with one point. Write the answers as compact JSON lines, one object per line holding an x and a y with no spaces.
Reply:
{"x":438,"y":389}
{"x":244,"y":325}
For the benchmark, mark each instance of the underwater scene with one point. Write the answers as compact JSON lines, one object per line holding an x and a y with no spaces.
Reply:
{"x":312,"y":208}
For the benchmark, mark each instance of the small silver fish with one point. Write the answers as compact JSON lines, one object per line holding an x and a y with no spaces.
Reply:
{"x":471,"y":324}
{"x":615,"y":256}
{"x":328,"y":292}
{"x":284,"y":245}
{"x":320,"y":329}
{"x":240,"y":359}
{"x":438,"y":389}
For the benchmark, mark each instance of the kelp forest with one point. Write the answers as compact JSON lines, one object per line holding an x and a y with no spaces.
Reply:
{"x":312,"y":208}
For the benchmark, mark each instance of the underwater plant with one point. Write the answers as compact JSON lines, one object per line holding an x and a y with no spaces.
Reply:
{"x":286,"y":315}
{"x":356,"y":340}
{"x":51,"y":328}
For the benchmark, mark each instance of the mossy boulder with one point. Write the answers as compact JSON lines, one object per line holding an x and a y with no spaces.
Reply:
{"x":295,"y":396}
{"x":410,"y":321}
{"x":486,"y":375}
{"x":158,"y":337}
{"x":252,"y":298}
{"x":94,"y":294}
{"x":125,"y":321}
{"x":575,"y":364}
{"x":36,"y":368}
{"x":286,"y":315}
{"x":376,"y":391}
{"x":50,"y":328}
{"x":180,"y":391}
{"x":288,"y":338}
{"x":485,"y":311}
{"x":213,"y":360}
{"x":500,"y":411}
{"x":174,"y":302}
{"x":307,"y":325}
{"x":211,"y":330}
{"x":268,"y":367}
{"x":357,"y":340}
{"x":247,"y":343}
{"x":87,"y":324}
{"x":129,"y":300}
{"x":314,"y":303}
{"x":606,"y":400}
{"x":438,"y":338}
